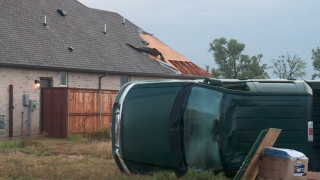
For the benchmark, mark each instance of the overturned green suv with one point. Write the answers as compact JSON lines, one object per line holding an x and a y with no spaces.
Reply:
{"x":208,"y":124}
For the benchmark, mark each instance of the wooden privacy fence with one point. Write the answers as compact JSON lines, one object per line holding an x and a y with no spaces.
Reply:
{"x":66,"y":110}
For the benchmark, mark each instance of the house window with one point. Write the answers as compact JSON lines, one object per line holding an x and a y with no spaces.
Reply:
{"x":63,"y":79}
{"x":124,"y":80}
{"x":45,"y":82}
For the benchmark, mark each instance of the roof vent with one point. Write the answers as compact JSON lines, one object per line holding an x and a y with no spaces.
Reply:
{"x":70,"y":48}
{"x":62,"y":13}
{"x":45,"y":21}
{"x":124,"y":21}
{"x":105,"y":30}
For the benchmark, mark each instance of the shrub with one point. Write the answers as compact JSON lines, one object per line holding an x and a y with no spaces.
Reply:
{"x":73,"y":137}
{"x":29,"y":142}
{"x":11,"y":144}
{"x":165,"y":175}
{"x":194,"y":174}
{"x":101,"y":135}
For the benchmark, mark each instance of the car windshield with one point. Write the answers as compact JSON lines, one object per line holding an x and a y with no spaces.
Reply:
{"x":201,"y":129}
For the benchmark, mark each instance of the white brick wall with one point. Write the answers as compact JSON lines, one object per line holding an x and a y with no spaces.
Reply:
{"x":139,"y":78}
{"x":23,"y":83}
{"x":91,"y":81}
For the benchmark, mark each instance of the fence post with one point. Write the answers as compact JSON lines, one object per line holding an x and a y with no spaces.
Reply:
{"x":68,"y":108}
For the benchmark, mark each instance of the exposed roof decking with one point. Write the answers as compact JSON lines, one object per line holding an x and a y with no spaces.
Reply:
{"x":172,"y":57}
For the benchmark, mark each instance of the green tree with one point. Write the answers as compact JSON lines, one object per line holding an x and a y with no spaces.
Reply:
{"x":232,"y":64}
{"x":214,"y":72}
{"x":207,"y":68}
{"x":316,"y":62}
{"x":289,"y":67}
{"x":253,"y":69}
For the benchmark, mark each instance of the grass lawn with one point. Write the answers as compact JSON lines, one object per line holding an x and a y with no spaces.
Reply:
{"x":77,"y":157}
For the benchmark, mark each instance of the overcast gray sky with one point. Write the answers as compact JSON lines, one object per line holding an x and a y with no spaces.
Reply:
{"x":269,"y":27}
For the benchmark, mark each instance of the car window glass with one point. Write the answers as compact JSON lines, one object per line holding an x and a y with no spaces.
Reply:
{"x":201,"y":129}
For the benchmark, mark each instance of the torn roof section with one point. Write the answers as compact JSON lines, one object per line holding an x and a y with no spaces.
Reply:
{"x":171,"y":57}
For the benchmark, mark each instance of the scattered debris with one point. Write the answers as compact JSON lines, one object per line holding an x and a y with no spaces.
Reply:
{"x":151,"y":51}
{"x":313,"y":175}
{"x":76,"y":156}
{"x":249,"y":168}
{"x":279,"y":163}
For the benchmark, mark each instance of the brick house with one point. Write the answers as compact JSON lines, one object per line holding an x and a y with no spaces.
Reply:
{"x":62,"y":43}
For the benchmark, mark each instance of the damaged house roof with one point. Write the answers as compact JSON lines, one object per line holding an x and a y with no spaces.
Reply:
{"x":172,"y":57}
{"x":65,"y":34}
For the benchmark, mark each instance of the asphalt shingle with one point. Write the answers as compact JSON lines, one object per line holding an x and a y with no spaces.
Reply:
{"x":25,"y":41}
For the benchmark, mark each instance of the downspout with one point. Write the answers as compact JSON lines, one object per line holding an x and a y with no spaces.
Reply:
{"x":100,"y":80}
{"x":22,"y":112}
{"x":100,"y":99}
{"x":30,"y":117}
{"x":11,"y":107}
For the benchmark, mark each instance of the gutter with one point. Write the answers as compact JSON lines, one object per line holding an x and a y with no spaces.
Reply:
{"x":100,"y":80}
{"x":162,"y":75}
{"x":174,"y":76}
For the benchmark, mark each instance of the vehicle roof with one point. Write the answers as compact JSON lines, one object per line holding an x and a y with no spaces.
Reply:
{"x":254,"y":85}
{"x":222,"y":80}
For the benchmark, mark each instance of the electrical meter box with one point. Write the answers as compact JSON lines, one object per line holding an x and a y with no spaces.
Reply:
{"x":33,"y":104}
{"x":2,"y":122}
{"x":26,"y":99}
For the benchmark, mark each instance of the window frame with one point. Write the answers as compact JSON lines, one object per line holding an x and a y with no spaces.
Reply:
{"x":128,"y":80}
{"x":49,"y":79}
{"x":66,"y":79}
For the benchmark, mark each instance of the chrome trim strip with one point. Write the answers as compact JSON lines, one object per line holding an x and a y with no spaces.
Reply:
{"x":124,"y":166}
{"x":116,"y":128}
{"x":124,"y":94}
{"x":118,"y":147}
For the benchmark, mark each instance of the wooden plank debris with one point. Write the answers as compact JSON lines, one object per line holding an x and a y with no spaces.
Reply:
{"x":249,"y":168}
